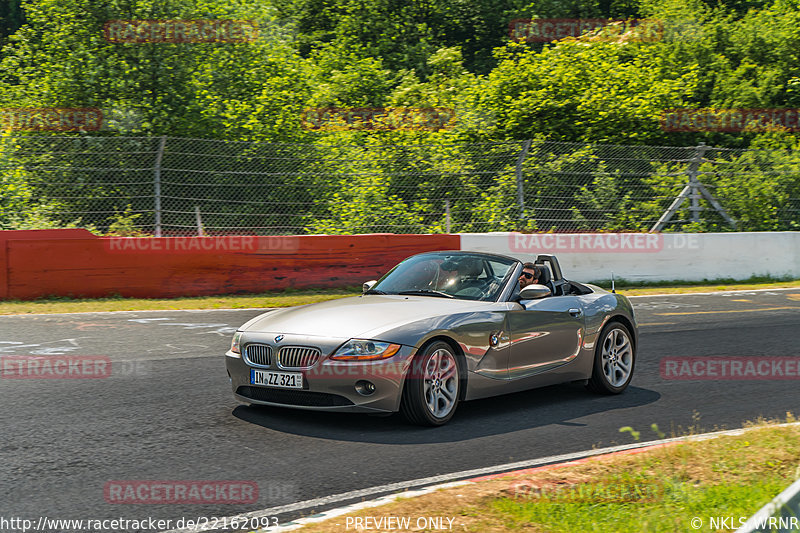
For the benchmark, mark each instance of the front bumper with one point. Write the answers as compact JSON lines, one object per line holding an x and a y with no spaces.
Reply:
{"x":329,"y":385}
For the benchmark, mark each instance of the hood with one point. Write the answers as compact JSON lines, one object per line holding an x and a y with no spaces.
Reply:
{"x":356,"y":316}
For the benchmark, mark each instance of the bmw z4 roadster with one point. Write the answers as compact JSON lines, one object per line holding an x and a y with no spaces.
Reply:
{"x":438,"y":329}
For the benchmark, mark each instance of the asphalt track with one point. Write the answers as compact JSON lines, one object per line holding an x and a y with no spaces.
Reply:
{"x":166,"y":411}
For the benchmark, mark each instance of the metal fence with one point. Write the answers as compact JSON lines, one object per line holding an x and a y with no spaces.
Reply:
{"x":179,"y":186}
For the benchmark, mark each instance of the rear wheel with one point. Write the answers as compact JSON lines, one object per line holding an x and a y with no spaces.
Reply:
{"x":432,"y":387}
{"x":614,"y":359}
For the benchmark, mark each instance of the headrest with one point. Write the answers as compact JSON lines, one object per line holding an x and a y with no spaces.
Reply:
{"x":449,"y":264}
{"x":545,"y":278}
{"x":470,"y":269}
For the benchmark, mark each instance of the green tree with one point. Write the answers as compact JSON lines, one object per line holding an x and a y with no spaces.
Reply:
{"x":11,"y":18}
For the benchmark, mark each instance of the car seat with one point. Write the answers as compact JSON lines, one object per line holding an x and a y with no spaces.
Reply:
{"x":469,"y":283}
{"x":546,"y":279}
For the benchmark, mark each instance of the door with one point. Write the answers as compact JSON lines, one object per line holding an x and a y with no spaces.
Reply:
{"x":544,"y":335}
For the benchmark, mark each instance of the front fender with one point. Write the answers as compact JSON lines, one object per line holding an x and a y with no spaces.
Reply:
{"x":470,"y":331}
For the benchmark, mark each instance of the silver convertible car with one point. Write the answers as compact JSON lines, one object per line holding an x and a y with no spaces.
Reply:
{"x":438,"y":329}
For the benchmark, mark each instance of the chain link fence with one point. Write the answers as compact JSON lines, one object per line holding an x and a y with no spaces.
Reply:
{"x":178,"y":186}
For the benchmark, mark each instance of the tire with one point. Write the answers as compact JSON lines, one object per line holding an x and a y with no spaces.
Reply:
{"x":433,"y":385}
{"x":614,"y":360}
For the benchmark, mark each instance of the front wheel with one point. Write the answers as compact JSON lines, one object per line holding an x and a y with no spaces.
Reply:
{"x":432,"y":387}
{"x":614,"y":360}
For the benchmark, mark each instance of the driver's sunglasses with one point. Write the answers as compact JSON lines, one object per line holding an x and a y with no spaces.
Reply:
{"x":527,"y":275}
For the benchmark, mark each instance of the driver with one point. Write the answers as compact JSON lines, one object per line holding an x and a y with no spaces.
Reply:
{"x":530,"y":275}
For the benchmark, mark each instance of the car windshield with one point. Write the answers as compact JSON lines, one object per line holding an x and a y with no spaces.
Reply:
{"x":448,"y":275}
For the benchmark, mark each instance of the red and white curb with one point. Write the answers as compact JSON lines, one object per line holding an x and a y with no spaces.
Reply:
{"x":419,"y":487}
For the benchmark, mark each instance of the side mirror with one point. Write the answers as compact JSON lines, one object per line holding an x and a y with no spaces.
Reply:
{"x":534,"y":292}
{"x":368,"y":285}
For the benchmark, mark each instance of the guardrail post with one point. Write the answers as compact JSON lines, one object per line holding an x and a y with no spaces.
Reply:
{"x":693,"y":172}
{"x":157,"y":184}
{"x":199,"y":220}
{"x":526,"y":145}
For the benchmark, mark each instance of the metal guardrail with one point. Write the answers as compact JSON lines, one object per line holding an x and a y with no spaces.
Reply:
{"x":781,"y":515}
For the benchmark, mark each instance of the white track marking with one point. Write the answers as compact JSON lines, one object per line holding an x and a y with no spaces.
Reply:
{"x":43,"y":348}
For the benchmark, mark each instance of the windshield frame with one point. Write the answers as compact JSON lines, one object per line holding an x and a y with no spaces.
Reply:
{"x":499,"y":294}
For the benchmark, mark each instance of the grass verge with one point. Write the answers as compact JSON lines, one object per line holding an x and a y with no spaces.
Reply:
{"x":631,"y":288}
{"x":658,"y":490}
{"x":74,"y":305}
{"x":293,"y":297}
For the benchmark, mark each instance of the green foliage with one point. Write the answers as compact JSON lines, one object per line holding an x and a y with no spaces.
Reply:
{"x":61,"y":58}
{"x":11,"y":18}
{"x":20,"y":208}
{"x":608,"y":86}
{"x":124,"y":224}
{"x":578,"y":90}
{"x":348,"y":76}
{"x":628,"y":429}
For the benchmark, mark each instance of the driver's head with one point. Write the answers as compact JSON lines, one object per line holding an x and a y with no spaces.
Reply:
{"x":530,"y":274}
{"x":448,"y":274}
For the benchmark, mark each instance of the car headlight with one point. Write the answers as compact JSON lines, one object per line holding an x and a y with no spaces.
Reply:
{"x":235,"y":348}
{"x":365,"y":350}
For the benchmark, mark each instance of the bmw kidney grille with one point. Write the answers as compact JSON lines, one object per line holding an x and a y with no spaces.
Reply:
{"x":298,"y":357}
{"x":258,"y":355}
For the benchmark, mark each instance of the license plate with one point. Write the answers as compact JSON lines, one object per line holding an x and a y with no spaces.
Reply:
{"x":284,"y":380}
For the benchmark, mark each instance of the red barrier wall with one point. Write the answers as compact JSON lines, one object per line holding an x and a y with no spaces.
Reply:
{"x":76,"y":263}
